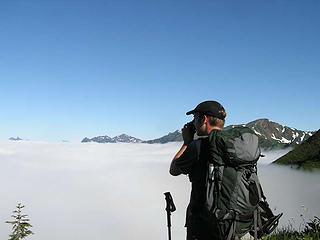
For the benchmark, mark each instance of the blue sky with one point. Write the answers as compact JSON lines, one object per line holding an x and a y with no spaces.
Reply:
{"x":70,"y":69}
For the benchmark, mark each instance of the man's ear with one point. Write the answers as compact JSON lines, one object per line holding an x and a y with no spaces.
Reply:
{"x":205,"y":119}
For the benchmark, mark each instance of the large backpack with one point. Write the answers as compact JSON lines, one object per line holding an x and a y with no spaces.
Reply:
{"x":234,"y":197}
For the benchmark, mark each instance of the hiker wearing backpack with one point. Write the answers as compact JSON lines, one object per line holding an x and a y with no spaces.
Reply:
{"x":226,"y":199}
{"x":192,"y":158}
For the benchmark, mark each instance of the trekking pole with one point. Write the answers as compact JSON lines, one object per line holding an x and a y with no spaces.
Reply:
{"x":170,"y":207}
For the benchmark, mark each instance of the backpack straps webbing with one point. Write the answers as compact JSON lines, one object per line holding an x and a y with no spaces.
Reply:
{"x":232,"y":230}
{"x":218,"y":172}
{"x":255,"y":223}
{"x":262,"y":193}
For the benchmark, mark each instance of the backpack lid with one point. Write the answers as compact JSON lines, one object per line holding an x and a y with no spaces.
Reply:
{"x":243,"y":147}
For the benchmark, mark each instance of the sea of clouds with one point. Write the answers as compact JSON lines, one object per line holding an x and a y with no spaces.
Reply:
{"x":115,"y":191}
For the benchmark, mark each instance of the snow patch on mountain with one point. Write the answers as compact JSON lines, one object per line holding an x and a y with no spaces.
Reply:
{"x":283,"y":140}
{"x":256,"y":132}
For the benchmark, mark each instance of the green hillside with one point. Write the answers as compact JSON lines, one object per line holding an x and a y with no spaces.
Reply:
{"x":306,"y":155}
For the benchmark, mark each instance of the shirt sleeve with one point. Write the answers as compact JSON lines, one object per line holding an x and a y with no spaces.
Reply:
{"x":184,"y":164}
{"x":216,"y":148}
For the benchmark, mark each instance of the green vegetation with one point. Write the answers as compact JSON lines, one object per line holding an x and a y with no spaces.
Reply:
{"x":171,"y":137}
{"x":306,"y":155}
{"x":268,"y":144}
{"x":20,"y":224}
{"x":311,"y":231}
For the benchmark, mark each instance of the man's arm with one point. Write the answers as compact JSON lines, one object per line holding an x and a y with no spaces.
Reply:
{"x":181,"y":161}
{"x":174,"y":169}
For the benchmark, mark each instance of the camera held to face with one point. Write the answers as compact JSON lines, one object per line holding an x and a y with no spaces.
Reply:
{"x":190,"y":126}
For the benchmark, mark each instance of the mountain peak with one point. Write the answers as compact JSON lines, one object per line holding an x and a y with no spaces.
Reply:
{"x":262,"y":120}
{"x":273,"y":131}
{"x":99,"y":139}
{"x":123,"y":135}
{"x":126,"y":139}
{"x":123,"y":138}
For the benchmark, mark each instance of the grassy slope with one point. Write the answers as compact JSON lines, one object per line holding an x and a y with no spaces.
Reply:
{"x":311,"y":231}
{"x":306,"y":155}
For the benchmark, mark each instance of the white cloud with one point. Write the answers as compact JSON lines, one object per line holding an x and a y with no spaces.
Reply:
{"x":115,"y":191}
{"x":271,"y":156}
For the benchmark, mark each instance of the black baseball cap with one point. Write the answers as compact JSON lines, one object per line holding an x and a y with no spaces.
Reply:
{"x":211,"y":108}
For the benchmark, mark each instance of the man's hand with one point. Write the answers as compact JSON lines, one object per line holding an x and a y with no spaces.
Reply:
{"x":188,"y":132}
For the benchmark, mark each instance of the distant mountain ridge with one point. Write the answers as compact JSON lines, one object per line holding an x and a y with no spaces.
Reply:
{"x":15,"y":139}
{"x":123,"y":138}
{"x":271,"y":134}
{"x":274,"y":135}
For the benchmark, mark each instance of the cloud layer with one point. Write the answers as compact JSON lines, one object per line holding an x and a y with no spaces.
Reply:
{"x":115,"y":191}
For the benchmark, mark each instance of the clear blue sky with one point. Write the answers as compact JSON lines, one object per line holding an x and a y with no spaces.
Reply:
{"x":70,"y":69}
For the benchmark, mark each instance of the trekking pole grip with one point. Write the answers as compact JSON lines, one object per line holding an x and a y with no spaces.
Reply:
{"x":170,"y":207}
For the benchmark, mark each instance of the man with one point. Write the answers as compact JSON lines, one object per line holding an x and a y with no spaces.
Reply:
{"x":192,"y":159}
